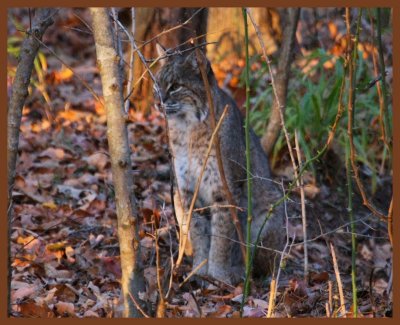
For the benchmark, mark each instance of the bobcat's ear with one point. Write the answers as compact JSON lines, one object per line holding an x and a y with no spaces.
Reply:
{"x":193,"y":62}
{"x":161,"y":52}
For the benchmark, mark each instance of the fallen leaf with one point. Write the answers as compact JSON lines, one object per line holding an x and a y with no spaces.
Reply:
{"x":221,"y":312}
{"x":24,"y":292}
{"x":31,"y":309}
{"x":63,"y":308}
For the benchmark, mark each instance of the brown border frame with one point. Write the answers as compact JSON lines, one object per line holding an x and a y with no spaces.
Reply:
{"x":188,"y":3}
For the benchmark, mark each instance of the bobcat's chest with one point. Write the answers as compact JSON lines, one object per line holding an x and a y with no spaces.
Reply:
{"x":189,"y":150}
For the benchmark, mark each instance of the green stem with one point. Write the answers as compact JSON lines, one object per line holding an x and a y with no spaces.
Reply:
{"x":351,"y":111}
{"x":387,"y":124}
{"x":353,"y":231}
{"x":248,"y":166}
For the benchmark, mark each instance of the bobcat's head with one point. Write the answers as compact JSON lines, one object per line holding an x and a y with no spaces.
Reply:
{"x":182,"y":88}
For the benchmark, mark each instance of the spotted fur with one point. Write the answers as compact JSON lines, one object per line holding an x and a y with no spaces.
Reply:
{"x":212,"y":232}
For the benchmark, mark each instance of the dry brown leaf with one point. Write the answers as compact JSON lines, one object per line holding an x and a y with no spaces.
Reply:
{"x":221,"y":312}
{"x":31,"y":309}
{"x":98,"y":159}
{"x":60,"y":275}
{"x":91,"y":314}
{"x":24,"y":292}
{"x":65,"y":308}
{"x":53,"y":153}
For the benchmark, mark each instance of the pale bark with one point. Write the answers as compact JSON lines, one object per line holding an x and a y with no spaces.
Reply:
{"x":281,"y":80}
{"x":132,"y":273}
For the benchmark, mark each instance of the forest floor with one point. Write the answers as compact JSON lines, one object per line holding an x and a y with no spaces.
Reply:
{"x":64,"y":249}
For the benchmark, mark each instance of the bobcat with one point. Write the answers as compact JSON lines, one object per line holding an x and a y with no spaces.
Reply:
{"x":212,"y":232}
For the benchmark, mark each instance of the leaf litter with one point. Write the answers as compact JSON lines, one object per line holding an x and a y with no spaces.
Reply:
{"x":65,"y":253}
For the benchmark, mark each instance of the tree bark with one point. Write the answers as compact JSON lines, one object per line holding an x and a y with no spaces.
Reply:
{"x":29,"y":49}
{"x":132,"y":273}
{"x":281,"y":80}
{"x":229,"y":33}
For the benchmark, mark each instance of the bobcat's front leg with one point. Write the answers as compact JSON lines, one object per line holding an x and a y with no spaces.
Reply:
{"x":198,"y":237}
{"x":222,"y":234}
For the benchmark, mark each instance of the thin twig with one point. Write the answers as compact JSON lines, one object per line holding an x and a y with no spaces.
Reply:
{"x":273,"y":84}
{"x":117,"y":39}
{"x":161,"y":303}
{"x":342,"y":307}
{"x":169,"y":30}
{"x":288,"y":246}
{"x":147,"y":68}
{"x":84,"y":22}
{"x":77,"y":76}
{"x":154,"y":61}
{"x":131,"y":59}
{"x":327,"y":310}
{"x":383,"y":74}
{"x":330,"y":299}
{"x":378,"y":87}
{"x":272,"y":294}
{"x":303,"y":206}
{"x":219,"y":206}
{"x":339,"y":114}
{"x":138,"y":306}
{"x":351,"y":61}
{"x":193,"y":272}
{"x":183,"y":237}
{"x":229,"y":197}
{"x":390,"y":222}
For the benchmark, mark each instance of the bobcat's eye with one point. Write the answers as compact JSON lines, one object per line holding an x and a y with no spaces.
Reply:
{"x":174,"y":88}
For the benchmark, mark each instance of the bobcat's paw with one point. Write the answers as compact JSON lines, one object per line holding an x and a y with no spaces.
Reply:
{"x":222,"y":274}
{"x":199,"y":275}
{"x":237,"y":274}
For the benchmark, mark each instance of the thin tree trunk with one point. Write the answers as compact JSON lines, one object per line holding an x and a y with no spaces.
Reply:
{"x":29,"y":50}
{"x":132,"y":272}
{"x":281,"y":80}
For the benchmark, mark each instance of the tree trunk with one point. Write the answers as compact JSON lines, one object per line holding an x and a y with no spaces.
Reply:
{"x":281,"y":80}
{"x":132,"y":273}
{"x":229,"y":33}
{"x":29,"y":49}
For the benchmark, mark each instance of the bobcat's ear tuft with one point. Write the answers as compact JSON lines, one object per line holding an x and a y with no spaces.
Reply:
{"x":161,"y":52}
